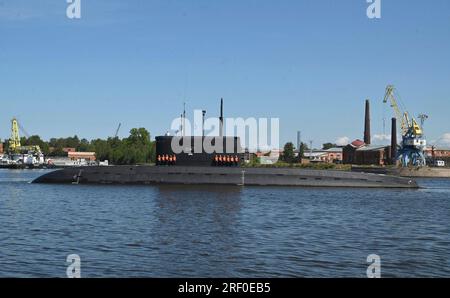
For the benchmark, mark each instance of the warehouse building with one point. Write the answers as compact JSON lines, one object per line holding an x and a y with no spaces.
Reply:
{"x":438,"y":156}
{"x":81,"y":156}
{"x":332,"y":155}
{"x":360,"y":153}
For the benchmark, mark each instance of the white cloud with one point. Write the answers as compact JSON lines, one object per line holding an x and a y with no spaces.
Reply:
{"x":15,"y":14}
{"x":444,"y":140}
{"x":342,"y":141}
{"x":381,"y":139}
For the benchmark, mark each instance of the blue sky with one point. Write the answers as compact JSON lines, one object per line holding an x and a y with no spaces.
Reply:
{"x":311,"y":63}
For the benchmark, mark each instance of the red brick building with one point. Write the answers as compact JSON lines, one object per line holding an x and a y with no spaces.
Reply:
{"x":359,"y":153}
{"x":437,"y":152}
{"x":87,"y":156}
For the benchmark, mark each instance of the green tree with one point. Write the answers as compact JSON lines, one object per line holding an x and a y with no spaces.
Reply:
{"x":83,"y":146}
{"x":35,"y":140}
{"x":327,"y":146}
{"x":288,"y":153}
{"x":303,"y":149}
{"x":102,"y":149}
{"x":137,"y":148}
{"x":72,"y":142}
{"x":57,"y":151}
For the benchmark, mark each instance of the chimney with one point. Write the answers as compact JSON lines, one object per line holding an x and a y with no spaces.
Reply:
{"x":184,"y":120}
{"x":394,"y":141}
{"x":299,"y":140}
{"x":203,"y":122}
{"x":221,"y":118}
{"x":367,"y":124}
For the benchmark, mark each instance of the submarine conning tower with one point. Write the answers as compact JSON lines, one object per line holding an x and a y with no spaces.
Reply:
{"x":198,"y":151}
{"x":219,"y":151}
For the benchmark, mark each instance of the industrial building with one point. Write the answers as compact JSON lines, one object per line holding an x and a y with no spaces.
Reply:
{"x":332,"y":155}
{"x":437,"y":152}
{"x":78,"y":156}
{"x":74,"y":159}
{"x":361,"y":152}
{"x":438,"y":156}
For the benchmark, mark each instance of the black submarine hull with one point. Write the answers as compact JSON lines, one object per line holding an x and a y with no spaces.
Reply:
{"x":222,"y":176}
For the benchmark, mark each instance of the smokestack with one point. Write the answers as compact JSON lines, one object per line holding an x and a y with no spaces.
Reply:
{"x":299,"y":140}
{"x":394,"y":141}
{"x":203,"y":122}
{"x":367,"y":124}
{"x":221,"y":118}
{"x":184,"y":120}
{"x":181,"y":125}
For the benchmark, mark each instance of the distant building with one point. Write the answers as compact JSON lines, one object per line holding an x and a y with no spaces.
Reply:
{"x":437,"y":152}
{"x":438,"y":156}
{"x":1,"y":148}
{"x":332,"y":155}
{"x":359,"y":153}
{"x":315,"y":156}
{"x":87,"y":156}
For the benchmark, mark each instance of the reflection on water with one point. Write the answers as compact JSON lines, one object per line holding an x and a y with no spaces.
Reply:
{"x":211,"y":231}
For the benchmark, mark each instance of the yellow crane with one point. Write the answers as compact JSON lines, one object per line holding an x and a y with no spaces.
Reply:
{"x":413,"y":145}
{"x":14,"y":142}
{"x":407,"y":124}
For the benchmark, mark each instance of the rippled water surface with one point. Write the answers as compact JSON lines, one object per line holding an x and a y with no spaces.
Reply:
{"x":193,"y":231}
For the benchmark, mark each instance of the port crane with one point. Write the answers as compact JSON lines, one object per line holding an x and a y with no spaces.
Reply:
{"x":15,"y":146}
{"x":14,"y":141}
{"x":413,"y":144}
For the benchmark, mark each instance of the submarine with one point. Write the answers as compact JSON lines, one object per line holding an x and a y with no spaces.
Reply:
{"x":180,"y":160}
{"x":199,"y":175}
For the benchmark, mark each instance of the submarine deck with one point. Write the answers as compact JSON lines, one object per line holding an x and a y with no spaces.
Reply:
{"x":222,"y":176}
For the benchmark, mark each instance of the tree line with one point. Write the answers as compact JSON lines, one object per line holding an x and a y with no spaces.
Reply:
{"x":288,"y":155}
{"x":137,"y":148}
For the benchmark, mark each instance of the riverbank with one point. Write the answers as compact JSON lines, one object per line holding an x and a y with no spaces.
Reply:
{"x":411,"y":172}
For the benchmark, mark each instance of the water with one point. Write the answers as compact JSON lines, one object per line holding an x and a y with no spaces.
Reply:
{"x":192,"y":231}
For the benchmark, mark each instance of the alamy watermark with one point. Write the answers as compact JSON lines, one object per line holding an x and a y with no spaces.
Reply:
{"x":73,"y":10}
{"x":374,"y":269}
{"x":253,"y":133}
{"x":74,"y":268}
{"x":374,"y":9}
